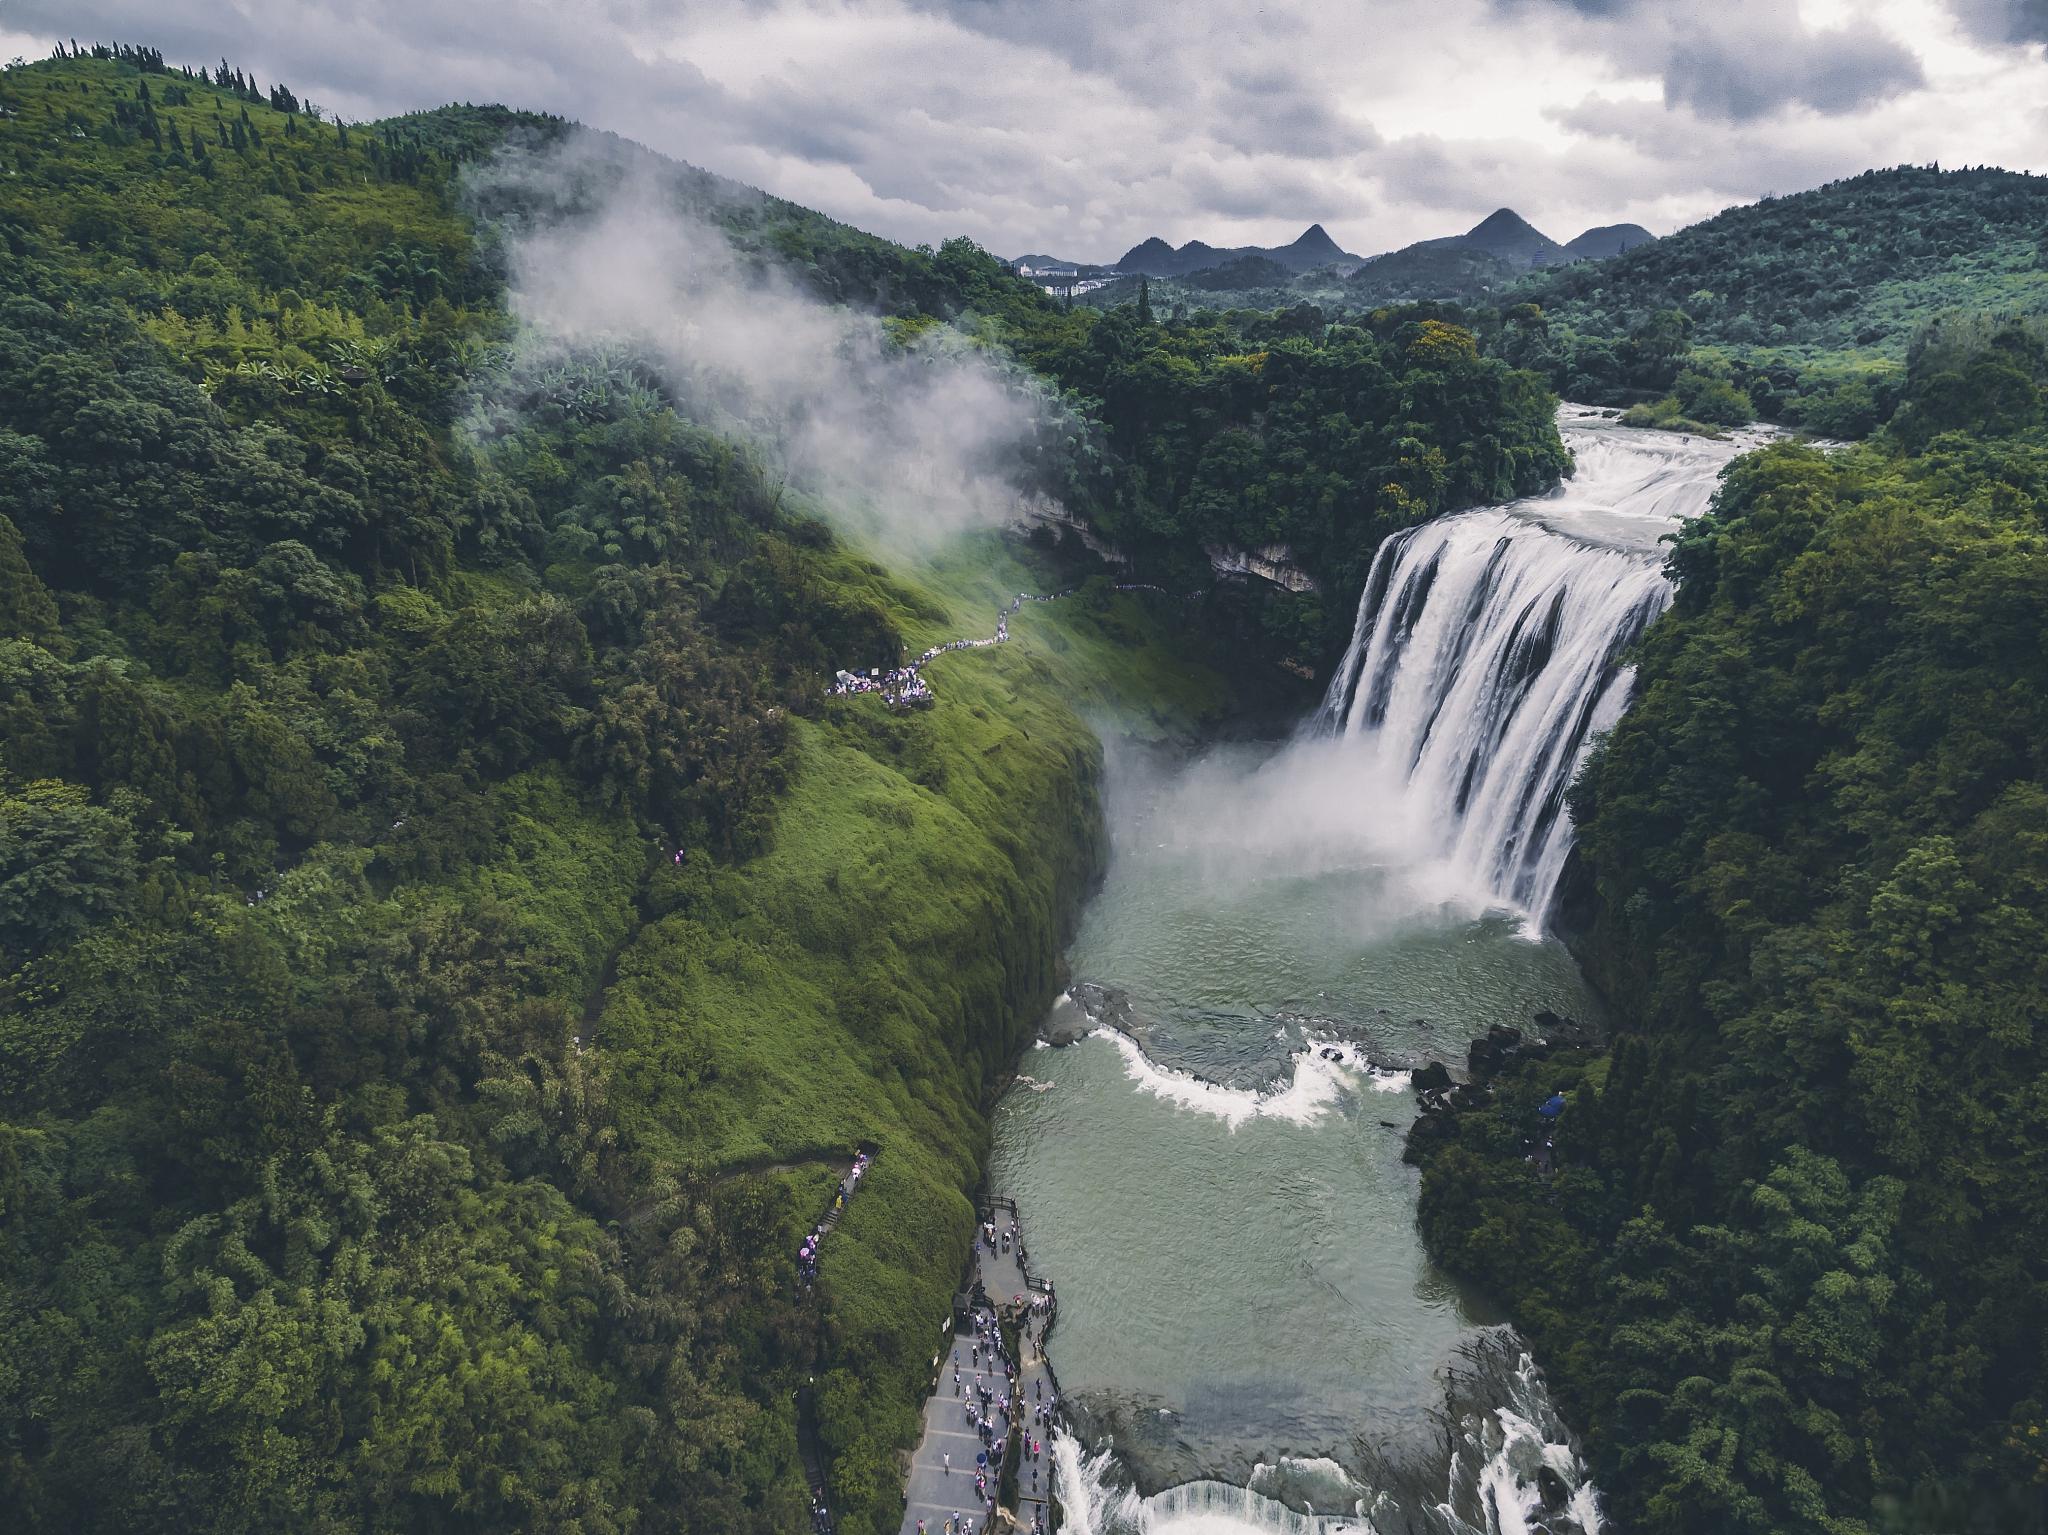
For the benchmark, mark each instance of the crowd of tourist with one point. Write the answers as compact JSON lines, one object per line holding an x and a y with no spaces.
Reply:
{"x":994,"y":1402}
{"x":904,"y":687}
{"x":987,"y":1402}
{"x":807,"y":1251}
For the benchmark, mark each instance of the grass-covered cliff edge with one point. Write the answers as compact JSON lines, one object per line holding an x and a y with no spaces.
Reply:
{"x":449,"y":936}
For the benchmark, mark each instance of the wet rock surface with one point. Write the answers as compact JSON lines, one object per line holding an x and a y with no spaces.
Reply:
{"x":1067,"y":1021}
{"x":1440,"y":1100}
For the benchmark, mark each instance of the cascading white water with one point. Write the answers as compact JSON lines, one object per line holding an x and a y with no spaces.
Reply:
{"x":1488,"y":648}
{"x":1093,"y":1505}
{"x":1344,"y":873}
{"x":1488,"y":654}
{"x":1505,"y":1440}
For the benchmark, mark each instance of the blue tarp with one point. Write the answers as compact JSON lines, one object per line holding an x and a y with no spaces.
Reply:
{"x":1552,"y":1106}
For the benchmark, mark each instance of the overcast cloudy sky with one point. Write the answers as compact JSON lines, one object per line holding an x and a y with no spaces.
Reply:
{"x":1079,"y":127}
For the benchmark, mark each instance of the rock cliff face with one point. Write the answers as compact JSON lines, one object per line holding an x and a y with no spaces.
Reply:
{"x":1044,"y":513}
{"x":1274,"y":563}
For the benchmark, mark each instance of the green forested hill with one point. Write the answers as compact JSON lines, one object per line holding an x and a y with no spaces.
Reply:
{"x":449,"y":940}
{"x":370,"y":1071}
{"x":1859,"y":263}
{"x":1430,"y":270}
{"x":1801,"y":308}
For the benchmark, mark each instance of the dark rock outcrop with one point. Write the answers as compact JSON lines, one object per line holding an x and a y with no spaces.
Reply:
{"x":1488,"y":1055}
{"x":1430,"y":1077}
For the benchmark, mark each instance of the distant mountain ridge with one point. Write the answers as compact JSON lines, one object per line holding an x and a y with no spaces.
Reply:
{"x":1312,"y":248}
{"x":1609,"y":240}
{"x":1506,"y":236}
{"x":1493,"y":252}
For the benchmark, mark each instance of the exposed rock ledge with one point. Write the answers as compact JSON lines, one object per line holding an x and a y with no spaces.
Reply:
{"x":1274,"y":563}
{"x":1041,"y":510}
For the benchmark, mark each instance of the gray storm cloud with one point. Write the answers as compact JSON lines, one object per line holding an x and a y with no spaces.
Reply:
{"x":902,"y":441}
{"x":2005,"y":21}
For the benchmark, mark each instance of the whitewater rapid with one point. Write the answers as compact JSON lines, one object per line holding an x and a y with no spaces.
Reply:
{"x":1316,"y":1076}
{"x":1502,"y":1440}
{"x":1489,"y":648}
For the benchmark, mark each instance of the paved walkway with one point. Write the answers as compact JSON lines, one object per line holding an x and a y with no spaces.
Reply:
{"x":934,"y":1492}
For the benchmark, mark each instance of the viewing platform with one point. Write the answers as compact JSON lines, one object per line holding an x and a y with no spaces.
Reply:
{"x":1005,"y":1300}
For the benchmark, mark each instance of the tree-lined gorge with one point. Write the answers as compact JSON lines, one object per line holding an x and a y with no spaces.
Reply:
{"x":451,"y":939}
{"x":382,"y":1100}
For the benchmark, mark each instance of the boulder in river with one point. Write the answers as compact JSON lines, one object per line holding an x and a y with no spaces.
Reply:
{"x":1081,"y":1008}
{"x":1065,"y":1023}
{"x":1431,"y":1077}
{"x":1558,"y":1028}
{"x":1471,"y":1095}
{"x":1488,"y":1055}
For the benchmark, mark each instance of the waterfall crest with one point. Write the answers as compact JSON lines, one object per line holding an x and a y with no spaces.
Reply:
{"x":1488,"y":650}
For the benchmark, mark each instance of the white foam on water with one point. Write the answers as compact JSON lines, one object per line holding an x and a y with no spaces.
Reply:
{"x":1508,"y":1448}
{"x":1312,"y":1089}
{"x":1357,"y":1064}
{"x":1094,"y":1506}
{"x":1316,"y":1481}
{"x":1491,"y":1486}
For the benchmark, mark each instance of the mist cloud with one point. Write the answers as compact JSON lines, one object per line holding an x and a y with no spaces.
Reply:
{"x":902,"y":443}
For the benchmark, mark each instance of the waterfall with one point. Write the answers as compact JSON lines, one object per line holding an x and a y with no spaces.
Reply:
{"x":1509,"y":1467}
{"x":1488,"y":650}
{"x":1489,"y":659}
